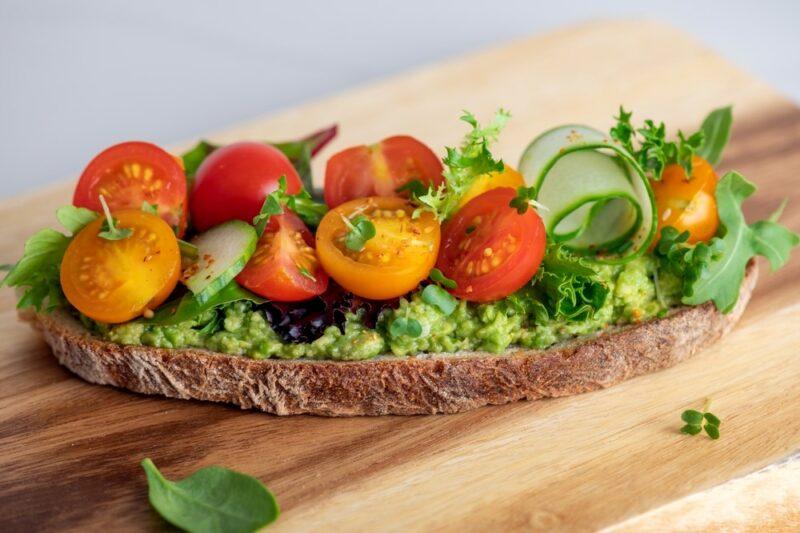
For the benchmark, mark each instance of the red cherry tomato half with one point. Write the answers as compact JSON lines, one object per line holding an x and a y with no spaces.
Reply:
{"x":234,"y":180}
{"x":285,"y":267}
{"x":131,"y":173}
{"x":379,"y":169}
{"x":489,"y":249}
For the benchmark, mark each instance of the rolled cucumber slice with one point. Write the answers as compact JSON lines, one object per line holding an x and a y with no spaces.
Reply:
{"x":222,"y":252}
{"x":599,"y":201}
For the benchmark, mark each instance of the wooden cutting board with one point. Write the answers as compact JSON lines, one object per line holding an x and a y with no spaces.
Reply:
{"x":70,"y":451}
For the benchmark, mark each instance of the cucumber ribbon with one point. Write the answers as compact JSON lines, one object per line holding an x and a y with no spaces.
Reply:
{"x":600,"y":203}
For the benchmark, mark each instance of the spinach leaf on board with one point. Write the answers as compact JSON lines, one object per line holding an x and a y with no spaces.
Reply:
{"x":187,"y":307}
{"x":213,"y":499}
{"x":716,"y":132}
{"x":720,"y":279}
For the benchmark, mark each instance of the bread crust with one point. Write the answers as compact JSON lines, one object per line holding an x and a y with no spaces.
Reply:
{"x":439,"y":383}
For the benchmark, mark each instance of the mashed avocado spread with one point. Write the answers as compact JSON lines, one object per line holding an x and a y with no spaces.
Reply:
{"x":636,"y":292}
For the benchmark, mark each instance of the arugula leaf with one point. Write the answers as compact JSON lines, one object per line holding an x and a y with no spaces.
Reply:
{"x":716,"y":129}
{"x":75,"y":218}
{"x":719,"y":277}
{"x":109,"y":229}
{"x":360,"y":230}
{"x":438,"y":277}
{"x":654,"y":152}
{"x":301,"y":204}
{"x":212,"y":499}
{"x":439,"y":298}
{"x":188,"y":307}
{"x":464,"y":165}
{"x":567,"y":287}
{"x":408,"y":327}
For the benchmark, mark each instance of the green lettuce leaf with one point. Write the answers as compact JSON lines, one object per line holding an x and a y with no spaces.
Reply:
{"x":187,"y":307}
{"x":37,"y":273}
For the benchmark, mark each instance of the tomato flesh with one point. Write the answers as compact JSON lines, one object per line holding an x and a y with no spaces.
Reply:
{"x":489,"y":249}
{"x":688,"y":204}
{"x":131,"y":173}
{"x":380,"y":169}
{"x":285,"y":267}
{"x":116,"y":281}
{"x":233,"y":181}
{"x":394,"y":261}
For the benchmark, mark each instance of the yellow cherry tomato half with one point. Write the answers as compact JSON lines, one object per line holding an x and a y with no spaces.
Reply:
{"x":115,"y":281}
{"x":508,"y":177}
{"x":688,"y":204}
{"x":390,"y":264}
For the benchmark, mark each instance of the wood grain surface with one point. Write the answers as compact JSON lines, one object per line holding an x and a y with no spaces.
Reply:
{"x":70,"y":451}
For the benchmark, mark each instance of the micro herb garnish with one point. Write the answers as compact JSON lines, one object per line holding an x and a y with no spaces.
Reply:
{"x":463,"y":166}
{"x":694,"y":422}
{"x":437,"y":276}
{"x":526,"y":197}
{"x":359,"y":231}
{"x":301,"y":204}
{"x":109,"y":230}
{"x":441,"y":299}
{"x":407,"y":327}
{"x":150,"y":208}
{"x":649,"y":146}
{"x":212,"y":499}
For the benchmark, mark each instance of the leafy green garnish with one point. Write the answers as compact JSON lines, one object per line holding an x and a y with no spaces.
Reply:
{"x":194,"y":157}
{"x":109,"y":229}
{"x":439,"y":298}
{"x":525,"y":198}
{"x":38,"y":271}
{"x":716,"y":130}
{"x":299,"y":153}
{"x":359,"y":231}
{"x":438,"y":277}
{"x":464,"y":165}
{"x":150,"y":208}
{"x":415,"y":189}
{"x":714,"y":271}
{"x":212,"y":499}
{"x":75,"y":218}
{"x":408,"y":327}
{"x":649,"y":146}
{"x":188,"y":307}
{"x":301,"y":204}
{"x":694,"y":422}
{"x":564,"y":288}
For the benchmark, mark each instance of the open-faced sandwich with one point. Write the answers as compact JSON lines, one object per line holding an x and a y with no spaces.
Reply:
{"x":419,"y":285}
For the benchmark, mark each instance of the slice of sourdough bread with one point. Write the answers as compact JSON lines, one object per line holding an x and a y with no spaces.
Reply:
{"x":433,"y":383}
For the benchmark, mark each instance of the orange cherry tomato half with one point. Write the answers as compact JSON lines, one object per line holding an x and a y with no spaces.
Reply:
{"x":380,"y":169}
{"x":508,"y":177}
{"x":394,"y":261}
{"x":115,"y":281}
{"x":688,"y":204}
{"x":131,"y":173}
{"x":489,"y":249}
{"x":285,"y":267}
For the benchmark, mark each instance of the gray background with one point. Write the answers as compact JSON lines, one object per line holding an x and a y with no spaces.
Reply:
{"x":77,"y":76}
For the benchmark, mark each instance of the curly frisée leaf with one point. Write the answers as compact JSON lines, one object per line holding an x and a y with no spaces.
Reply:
{"x":568,"y":288}
{"x":720,"y":277}
{"x":463,"y":166}
{"x":212,"y":499}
